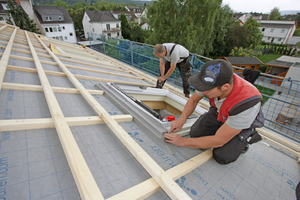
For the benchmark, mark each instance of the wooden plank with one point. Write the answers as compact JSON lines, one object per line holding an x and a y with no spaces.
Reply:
{"x":5,"y":57}
{"x":3,"y":27}
{"x":149,"y":187}
{"x":285,"y":148}
{"x":27,"y":124}
{"x":86,"y":184}
{"x":53,"y":73}
{"x":159,"y":175}
{"x":279,"y":139}
{"x":38,"y":88}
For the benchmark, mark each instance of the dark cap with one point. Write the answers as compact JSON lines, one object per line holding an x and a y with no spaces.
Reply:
{"x":214,"y":73}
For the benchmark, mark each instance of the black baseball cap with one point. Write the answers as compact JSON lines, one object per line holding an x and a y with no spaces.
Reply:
{"x":214,"y":73}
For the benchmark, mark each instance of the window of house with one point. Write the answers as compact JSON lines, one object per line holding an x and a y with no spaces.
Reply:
{"x":118,"y":34}
{"x":109,"y":34}
{"x":63,"y":27}
{"x":93,"y":29}
{"x":279,"y":39}
{"x":54,"y":29}
{"x":263,"y":29}
{"x":269,"y":38}
{"x":48,"y":18}
{"x":243,"y":66}
{"x":66,"y":38}
{"x":117,"y":25}
{"x":108,"y":27}
{"x":272,"y":30}
{"x":59,"y":29}
{"x":71,"y":34}
{"x":59,"y":18}
{"x":46,"y":30}
{"x":61,"y":38}
{"x":51,"y":30}
{"x":253,"y":67}
{"x":282,"y":30}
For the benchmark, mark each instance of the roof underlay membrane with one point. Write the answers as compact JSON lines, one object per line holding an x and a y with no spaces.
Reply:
{"x":62,"y":138}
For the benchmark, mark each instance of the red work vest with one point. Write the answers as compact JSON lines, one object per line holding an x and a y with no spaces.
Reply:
{"x":243,"y":96}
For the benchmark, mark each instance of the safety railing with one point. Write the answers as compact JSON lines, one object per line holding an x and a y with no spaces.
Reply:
{"x":281,"y":96}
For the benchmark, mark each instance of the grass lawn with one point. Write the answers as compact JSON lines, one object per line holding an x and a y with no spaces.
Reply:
{"x":265,"y":91}
{"x":268,"y":57}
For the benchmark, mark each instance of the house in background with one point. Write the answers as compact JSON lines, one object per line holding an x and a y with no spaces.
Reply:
{"x":130,"y":16}
{"x":243,"y":17}
{"x":101,"y":23}
{"x":55,"y":22}
{"x":277,"y":31}
{"x":136,"y":11}
{"x":144,"y":25}
{"x":244,"y":62}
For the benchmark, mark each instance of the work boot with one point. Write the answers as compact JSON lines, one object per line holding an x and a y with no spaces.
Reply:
{"x":254,"y":137}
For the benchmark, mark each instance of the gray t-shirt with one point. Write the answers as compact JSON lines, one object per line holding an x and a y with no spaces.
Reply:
{"x":242,"y":120}
{"x":178,"y":52}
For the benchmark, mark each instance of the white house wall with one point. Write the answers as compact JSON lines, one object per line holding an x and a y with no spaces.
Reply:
{"x":280,"y":34}
{"x":86,"y":25}
{"x":65,"y":32}
{"x":99,"y":28}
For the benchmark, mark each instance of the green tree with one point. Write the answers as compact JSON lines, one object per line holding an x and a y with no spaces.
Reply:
{"x":190,"y":23}
{"x":236,"y":36}
{"x":20,"y":17}
{"x":223,"y":22}
{"x":255,"y":34}
{"x":118,"y":7}
{"x":125,"y":27}
{"x":136,"y":32}
{"x":275,"y":14}
{"x":78,"y":5}
{"x":297,"y":32}
{"x":60,"y":3}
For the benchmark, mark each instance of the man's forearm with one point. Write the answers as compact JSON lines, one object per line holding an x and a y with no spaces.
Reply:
{"x":201,"y":142}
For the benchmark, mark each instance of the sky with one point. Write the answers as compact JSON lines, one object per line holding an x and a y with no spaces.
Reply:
{"x":262,"y":6}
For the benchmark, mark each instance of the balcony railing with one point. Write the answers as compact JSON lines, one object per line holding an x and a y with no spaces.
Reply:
{"x":112,"y":30}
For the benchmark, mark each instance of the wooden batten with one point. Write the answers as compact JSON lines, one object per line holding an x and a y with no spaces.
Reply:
{"x":86,"y":184}
{"x":5,"y":57}
{"x":28,"y":124}
{"x":160,"y":176}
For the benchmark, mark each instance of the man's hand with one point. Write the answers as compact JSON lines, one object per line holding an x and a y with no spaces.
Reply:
{"x":161,"y":79}
{"x":176,"y":125}
{"x":174,"y":139}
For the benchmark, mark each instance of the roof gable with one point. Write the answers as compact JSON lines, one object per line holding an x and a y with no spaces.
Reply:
{"x":39,"y":11}
{"x":101,"y":16}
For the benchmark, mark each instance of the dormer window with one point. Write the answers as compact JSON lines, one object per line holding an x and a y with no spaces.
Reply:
{"x":48,"y":18}
{"x":59,"y":18}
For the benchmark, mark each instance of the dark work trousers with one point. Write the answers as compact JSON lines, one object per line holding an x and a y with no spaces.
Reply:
{"x":184,"y":68}
{"x":206,"y":125}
